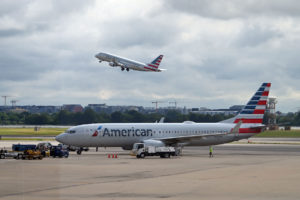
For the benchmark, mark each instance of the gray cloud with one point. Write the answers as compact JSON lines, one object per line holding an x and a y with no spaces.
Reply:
{"x":236,"y":9}
{"x":216,"y":53}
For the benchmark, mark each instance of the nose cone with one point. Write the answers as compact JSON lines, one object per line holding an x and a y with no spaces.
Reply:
{"x":99,"y":55}
{"x":60,"y":138}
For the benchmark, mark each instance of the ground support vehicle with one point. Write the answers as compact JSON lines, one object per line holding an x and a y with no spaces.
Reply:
{"x":44,"y":146}
{"x":10,"y":154}
{"x":74,"y":148}
{"x":2,"y":153}
{"x":32,"y":154}
{"x":140,"y":150}
{"x":58,"y":151}
{"x":19,"y":149}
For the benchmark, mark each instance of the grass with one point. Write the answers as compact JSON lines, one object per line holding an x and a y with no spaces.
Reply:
{"x":26,"y":139}
{"x":280,"y":133}
{"x":31,"y":131}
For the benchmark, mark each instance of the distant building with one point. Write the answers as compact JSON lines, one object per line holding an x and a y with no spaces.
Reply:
{"x":31,"y":109}
{"x":237,"y":107}
{"x":233,"y":110}
{"x":72,"y":107}
{"x":110,"y":109}
{"x":216,"y":112}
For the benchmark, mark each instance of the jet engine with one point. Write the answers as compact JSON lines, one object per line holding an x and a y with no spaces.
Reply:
{"x":112,"y":64}
{"x":155,"y":143}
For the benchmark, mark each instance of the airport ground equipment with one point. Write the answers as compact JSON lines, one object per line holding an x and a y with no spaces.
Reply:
{"x":74,"y":148}
{"x":23,"y":147}
{"x":11,"y":154}
{"x":19,"y":149}
{"x":44,"y":146}
{"x":140,"y":150}
{"x":58,"y":151}
{"x":2,"y":153}
{"x":32,"y":154}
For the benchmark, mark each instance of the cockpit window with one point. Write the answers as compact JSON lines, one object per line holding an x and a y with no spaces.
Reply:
{"x":70,"y":131}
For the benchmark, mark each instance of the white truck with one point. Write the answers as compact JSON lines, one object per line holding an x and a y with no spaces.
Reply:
{"x":140,"y":150}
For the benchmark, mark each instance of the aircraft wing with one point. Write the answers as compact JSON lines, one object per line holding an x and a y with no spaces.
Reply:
{"x":186,"y":139}
{"x":116,"y":63}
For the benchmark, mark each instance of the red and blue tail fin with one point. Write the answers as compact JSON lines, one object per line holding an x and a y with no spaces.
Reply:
{"x":254,"y":111}
{"x":155,"y":63}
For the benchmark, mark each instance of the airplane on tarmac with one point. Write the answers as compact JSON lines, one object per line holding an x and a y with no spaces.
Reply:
{"x":244,"y":125}
{"x":127,"y":64}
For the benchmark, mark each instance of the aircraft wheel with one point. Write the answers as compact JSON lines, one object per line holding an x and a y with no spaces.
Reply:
{"x":78,"y":152}
{"x":122,"y":68}
{"x":127,"y":69}
{"x":142,"y":155}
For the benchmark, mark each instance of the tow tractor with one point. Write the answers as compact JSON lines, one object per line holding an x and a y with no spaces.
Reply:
{"x":140,"y":150}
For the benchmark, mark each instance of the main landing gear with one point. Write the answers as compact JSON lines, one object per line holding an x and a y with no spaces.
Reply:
{"x":127,"y":69}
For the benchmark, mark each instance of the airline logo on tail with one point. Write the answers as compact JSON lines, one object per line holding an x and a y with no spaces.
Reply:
{"x":153,"y":66}
{"x":254,"y":111}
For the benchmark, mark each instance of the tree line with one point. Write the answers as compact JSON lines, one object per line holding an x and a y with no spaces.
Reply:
{"x":90,"y":116}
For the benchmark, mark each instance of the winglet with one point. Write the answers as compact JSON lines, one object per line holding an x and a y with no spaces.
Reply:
{"x":162,"y":120}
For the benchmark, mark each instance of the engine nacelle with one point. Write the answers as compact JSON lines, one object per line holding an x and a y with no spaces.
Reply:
{"x":112,"y":64}
{"x":155,"y":143}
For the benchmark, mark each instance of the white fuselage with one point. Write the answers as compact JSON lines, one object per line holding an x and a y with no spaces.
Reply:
{"x":126,"y":134}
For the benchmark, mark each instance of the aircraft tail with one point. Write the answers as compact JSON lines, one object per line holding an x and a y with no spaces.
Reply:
{"x":155,"y":63}
{"x":253,"y":112}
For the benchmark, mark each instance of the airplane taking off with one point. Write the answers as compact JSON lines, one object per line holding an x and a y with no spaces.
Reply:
{"x":244,"y":125}
{"x":127,"y":64}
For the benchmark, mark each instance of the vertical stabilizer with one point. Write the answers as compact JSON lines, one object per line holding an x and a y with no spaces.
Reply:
{"x":254,"y":111}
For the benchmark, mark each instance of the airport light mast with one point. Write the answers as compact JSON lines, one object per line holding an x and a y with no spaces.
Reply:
{"x":5,"y":97}
{"x":156,"y":104}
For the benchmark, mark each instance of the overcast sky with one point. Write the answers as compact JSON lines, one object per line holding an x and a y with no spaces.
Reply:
{"x":217,"y":53}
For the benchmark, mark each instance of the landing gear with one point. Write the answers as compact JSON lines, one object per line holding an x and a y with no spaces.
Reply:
{"x":122,"y":68}
{"x":79,"y":151}
{"x":100,"y":61}
{"x":127,"y":69}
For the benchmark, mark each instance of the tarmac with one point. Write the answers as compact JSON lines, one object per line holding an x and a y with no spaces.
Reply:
{"x":236,"y":172}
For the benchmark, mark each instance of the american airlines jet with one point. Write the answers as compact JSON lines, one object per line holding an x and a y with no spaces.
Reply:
{"x":124,"y":63}
{"x":244,"y":125}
